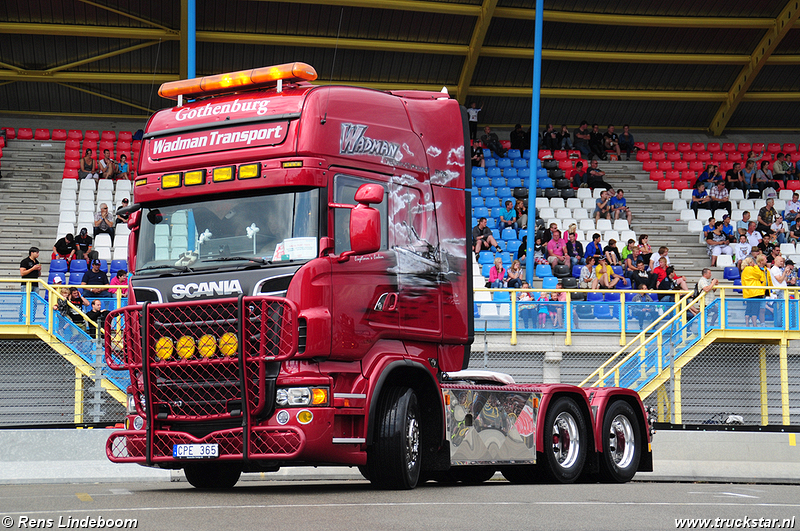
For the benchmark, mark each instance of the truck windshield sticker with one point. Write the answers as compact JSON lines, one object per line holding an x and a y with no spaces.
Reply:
{"x":355,"y":142}
{"x":257,"y":107}
{"x":200,"y":142}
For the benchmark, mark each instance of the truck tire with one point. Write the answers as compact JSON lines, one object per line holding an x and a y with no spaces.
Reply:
{"x":621,"y":443}
{"x":212,"y":475}
{"x":472,"y":475}
{"x":565,"y":441}
{"x":394,"y":460}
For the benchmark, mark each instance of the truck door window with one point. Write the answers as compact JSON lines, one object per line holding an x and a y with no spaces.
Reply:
{"x":344,"y":192}
{"x":414,"y":221}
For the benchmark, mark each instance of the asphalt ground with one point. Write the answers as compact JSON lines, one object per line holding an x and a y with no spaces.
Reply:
{"x":349,"y":505}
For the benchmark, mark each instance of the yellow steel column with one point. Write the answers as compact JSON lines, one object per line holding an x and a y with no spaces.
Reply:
{"x":513,"y":317}
{"x":784,"y":370}
{"x":661,"y":394}
{"x":623,"y":321}
{"x":722,"y":310}
{"x":78,"y":396}
{"x":677,"y":393}
{"x":762,"y":362}
{"x":568,"y":319}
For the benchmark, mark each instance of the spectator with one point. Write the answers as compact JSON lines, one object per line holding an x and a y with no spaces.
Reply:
{"x":794,"y":232}
{"x":497,"y":274}
{"x":508,"y":219}
{"x":95,"y":277}
{"x":522,"y":214}
{"x":121,"y":279}
{"x":720,"y":198}
{"x":779,"y":272}
{"x":596,"y":143}
{"x":708,"y":285}
{"x":749,"y":174}
{"x":629,"y":247}
{"x":611,"y":253}
{"x":768,"y":243}
{"x":626,"y":141}
{"x":791,"y":278}
{"x":549,"y":138}
{"x":717,"y":243}
{"x":708,"y":229}
{"x":539,"y":250}
{"x":103,"y":223}
{"x":780,"y":228}
{"x":526,"y":309}
{"x":764,"y":178}
{"x":619,"y":206}
{"x":593,"y":248}
{"x":550,"y":233}
{"x":83,"y":245}
{"x":671,"y":282}
{"x":638,"y":275}
{"x":472,"y":112}
{"x":644,"y":248}
{"x":564,"y":138}
{"x":602,"y":206}
{"x":588,"y":278}
{"x":727,"y":228}
{"x":492,"y":142}
{"x":754,"y":275}
{"x":482,"y":238}
{"x":122,"y":218}
{"x":766,"y":217}
{"x":753,"y":236}
{"x":582,"y":140}
{"x":64,"y":248}
{"x":523,"y":250}
{"x":734,"y":178}
{"x":543,"y":297}
{"x":557,"y":310}
{"x":88,"y":168}
{"x":606,"y":277}
{"x":557,"y":250}
{"x":519,"y":140}
{"x":580,"y":178}
{"x":30,"y":268}
{"x":575,"y":250}
{"x":641,"y":311}
{"x":107,"y":167}
{"x":611,"y":141}
{"x":792,"y":208}
{"x":477,"y":156}
{"x":744,"y":223}
{"x":71,"y":296}
{"x":98,"y":315}
{"x":700,"y":198}
{"x":779,"y":168}
{"x":743,"y":249}
{"x":596,"y":176}
{"x":123,"y":172}
{"x":708,"y":175}
{"x":514,"y":275}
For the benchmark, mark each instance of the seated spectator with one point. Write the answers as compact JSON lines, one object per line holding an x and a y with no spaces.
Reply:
{"x":602,"y":206}
{"x":596,"y":143}
{"x":122,"y":218}
{"x":663,"y":252}
{"x":103,"y":222}
{"x":123,"y":172}
{"x":611,"y":141}
{"x":672,"y":282}
{"x":492,"y":142}
{"x":644,"y":247}
{"x":749,"y":174}
{"x":563,"y":138}
{"x":549,"y":138}
{"x":781,"y":229}
{"x":557,"y":250}
{"x":519,"y":140}
{"x":525,"y":309}
{"x":779,"y":168}
{"x":764,"y":177}
{"x":64,"y":248}
{"x":708,"y":176}
{"x":98,"y":315}
{"x":766,"y":217}
{"x":794,"y":232}
{"x":741,"y":226}
{"x":522,"y":214}
{"x":792,"y":208}
{"x":606,"y":277}
{"x":629,"y":260}
{"x":700,"y":198}
{"x":727,"y":228}
{"x":596,"y":177}
{"x":514,"y":274}
{"x":477,"y":157}
{"x":539,"y":251}
{"x":611,"y":253}
{"x":523,"y":250}
{"x":73,"y":296}
{"x":791,"y":278}
{"x":626,"y":142}
{"x":619,"y":206}
{"x":754,"y":274}
{"x":88,"y":168}
{"x":743,"y":249}
{"x":582,"y":140}
{"x":753,"y":236}
{"x":642,"y":312}
{"x":774,"y":251}
{"x":660,"y":270}
{"x":593,"y":248}
{"x":708,"y":229}
{"x":734,"y":178}
{"x":482,"y":239}
{"x":720,"y":198}
{"x":768,"y":243}
{"x":497,"y":274}
{"x":83,"y":245}
{"x":508,"y":219}
{"x":95,"y":277}
{"x":638,"y":274}
{"x":556,"y":311}
{"x":580,"y":178}
{"x":717,"y":243}
{"x":575,"y":250}
{"x":106,"y":166}
{"x":121,"y":279}
{"x":588,"y":278}
{"x":629,"y":247}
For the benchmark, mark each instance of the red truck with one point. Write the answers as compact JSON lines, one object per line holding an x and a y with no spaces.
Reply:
{"x":302,"y":296}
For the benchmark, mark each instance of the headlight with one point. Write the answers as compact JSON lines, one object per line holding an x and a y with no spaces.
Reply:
{"x":301,"y":396}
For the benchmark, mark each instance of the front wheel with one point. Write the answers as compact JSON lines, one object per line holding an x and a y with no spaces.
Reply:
{"x":394,"y":461}
{"x":621,"y":443}
{"x":565,"y":441}
{"x":212,"y":475}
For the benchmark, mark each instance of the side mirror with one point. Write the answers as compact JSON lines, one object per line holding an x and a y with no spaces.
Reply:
{"x":365,"y":230}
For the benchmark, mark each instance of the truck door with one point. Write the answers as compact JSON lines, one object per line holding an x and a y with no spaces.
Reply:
{"x":414,"y":238}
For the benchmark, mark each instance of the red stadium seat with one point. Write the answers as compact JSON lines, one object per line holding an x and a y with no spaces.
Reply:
{"x":681,"y":184}
{"x":696,"y":165}
{"x":639,"y":145}
{"x":664,"y":184}
{"x":690,"y":156}
{"x":545,"y":154}
{"x":704,"y":156}
{"x":92,"y":135}
{"x":736,"y":157}
{"x":713,"y":147}
{"x":649,"y":165}
{"x":2,"y":142}
{"x":673,"y":174}
{"x":90,"y":144}
{"x":697,"y":147}
{"x":657,"y":175}
{"x":728,"y":147}
{"x":673,"y":155}
{"x":659,"y":156}
{"x":73,"y":163}
{"x":123,"y":146}
{"x":668,"y":146}
{"x":565,"y":164}
{"x":725,"y":165}
{"x":59,"y":134}
{"x":689,"y":175}
{"x":24,"y":133}
{"x":41,"y":134}
{"x":125,"y":136}
{"x":719,"y":156}
{"x":572,"y":153}
{"x":642,"y":155}
{"x":790,"y":148}
{"x":684,"y":147}
{"x":653,"y":146}
{"x":793,"y":185}
{"x":72,"y":154}
{"x":665,"y":165}
{"x":560,"y":154}
{"x":73,"y":144}
{"x":70,"y":173}
{"x":109,"y":135}
{"x":75,"y":134}
{"x":773,"y":147}
{"x":11,"y":134}
{"x":758,"y":147}
{"x":681,"y":165}
{"x":744,"y":147}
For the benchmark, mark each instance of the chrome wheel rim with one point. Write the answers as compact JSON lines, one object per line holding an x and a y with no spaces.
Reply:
{"x":566,"y":440}
{"x":412,"y":440}
{"x":621,"y":441}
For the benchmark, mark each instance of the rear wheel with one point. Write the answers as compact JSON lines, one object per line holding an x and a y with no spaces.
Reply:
{"x":212,"y":475}
{"x":394,"y":461}
{"x":621,"y":443}
{"x":565,"y":441}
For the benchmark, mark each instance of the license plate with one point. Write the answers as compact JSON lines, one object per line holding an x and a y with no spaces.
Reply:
{"x":195,"y":451}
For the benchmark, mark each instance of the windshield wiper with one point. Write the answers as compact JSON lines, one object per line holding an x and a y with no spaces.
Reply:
{"x":182,"y":269}
{"x":228,"y":258}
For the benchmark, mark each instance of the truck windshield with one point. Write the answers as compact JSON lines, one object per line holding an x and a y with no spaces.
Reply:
{"x":263,"y":228}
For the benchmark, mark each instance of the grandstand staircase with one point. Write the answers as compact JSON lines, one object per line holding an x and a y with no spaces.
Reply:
{"x":29,"y":194}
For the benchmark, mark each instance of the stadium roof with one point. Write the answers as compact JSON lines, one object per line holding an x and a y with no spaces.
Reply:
{"x":711,"y":65}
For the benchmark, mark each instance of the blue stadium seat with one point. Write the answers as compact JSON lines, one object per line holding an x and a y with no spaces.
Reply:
{"x":504,"y":163}
{"x":507,"y":258}
{"x":625,"y":283}
{"x":487,"y":191}
{"x":513,"y":154}
{"x":492,"y":202}
{"x":629,"y":296}
{"x":594,"y":297}
{"x":482,"y":181}
{"x":75,"y":278}
{"x":497,"y":211}
{"x":476,"y":190}
{"x":512,"y":246}
{"x":487,"y":154}
{"x":58,"y":265}
{"x":576,"y":271}
{"x":545,"y":182}
{"x":54,"y":274}
{"x":477,"y":201}
{"x":526,"y":182}
{"x":491,"y":223}
{"x":490,"y":163}
{"x":602,"y":311}
{"x":474,"y":221}
{"x":509,"y":234}
{"x":731,"y":273}
{"x":78,"y":266}
{"x":617,"y":269}
{"x":510,"y":173}
{"x":501,"y":244}
{"x":486,"y":269}
{"x":523,"y":233}
{"x":493,"y":172}
{"x":520,"y":164}
{"x":549,"y":283}
{"x":477,"y":171}
{"x":495,"y":233}
{"x":501,"y":296}
{"x":524,"y":173}
{"x":526,"y":154}
{"x":116,"y":265}
{"x":504,"y":191}
{"x":541,"y":173}
{"x":514,"y":182}
{"x":543,"y":270}
{"x":103,"y":266}
{"x":486,"y":257}
{"x":499,"y":181}
{"x":481,"y":212}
